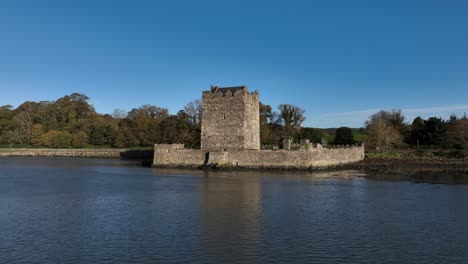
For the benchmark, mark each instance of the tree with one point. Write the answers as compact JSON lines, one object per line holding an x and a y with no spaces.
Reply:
{"x":194,"y":111}
{"x":144,"y":123}
{"x":79,"y":139}
{"x":125,"y":138}
{"x":417,"y":132}
{"x":70,"y":108}
{"x":435,"y":131}
{"x":315,"y":135}
{"x":119,"y":113}
{"x":457,"y":133}
{"x":36,"y":133}
{"x":291,"y":117}
{"x":397,"y":119}
{"x":6,"y":124}
{"x":379,"y":131}
{"x":56,"y":139}
{"x":344,"y":136}
{"x":23,"y":121}
{"x":267,"y":118}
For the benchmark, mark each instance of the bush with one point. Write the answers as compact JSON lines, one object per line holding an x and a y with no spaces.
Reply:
{"x":424,"y":153}
{"x":79,"y":139}
{"x":344,"y":136}
{"x":56,"y":139}
{"x":456,"y":154}
{"x":458,"y":146}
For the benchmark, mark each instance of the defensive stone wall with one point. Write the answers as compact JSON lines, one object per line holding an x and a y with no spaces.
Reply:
{"x":168,"y":155}
{"x":87,"y":153}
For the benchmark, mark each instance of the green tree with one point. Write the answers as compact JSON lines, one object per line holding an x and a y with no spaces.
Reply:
{"x":315,"y":135}
{"x":344,"y":136}
{"x":267,"y":119}
{"x":56,"y":139}
{"x":291,"y":117}
{"x":435,"y":131}
{"x":417,"y":133}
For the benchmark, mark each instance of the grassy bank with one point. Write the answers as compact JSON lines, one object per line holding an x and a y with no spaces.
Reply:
{"x":419,"y":154}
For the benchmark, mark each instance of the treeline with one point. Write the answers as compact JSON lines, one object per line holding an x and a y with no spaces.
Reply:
{"x":389,"y":129}
{"x":72,"y":122}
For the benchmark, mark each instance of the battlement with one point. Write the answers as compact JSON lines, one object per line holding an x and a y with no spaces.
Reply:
{"x":235,"y":91}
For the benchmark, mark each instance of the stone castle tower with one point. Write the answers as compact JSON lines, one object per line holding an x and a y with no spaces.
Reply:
{"x":230,"y":119}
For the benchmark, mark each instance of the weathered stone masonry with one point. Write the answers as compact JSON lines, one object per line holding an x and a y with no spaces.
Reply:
{"x":175,"y":155}
{"x":230,"y":137}
{"x":88,"y":153}
{"x":230,"y":119}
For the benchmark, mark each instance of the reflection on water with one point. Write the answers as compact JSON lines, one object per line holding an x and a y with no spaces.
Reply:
{"x":110,"y":211}
{"x":231,"y":211}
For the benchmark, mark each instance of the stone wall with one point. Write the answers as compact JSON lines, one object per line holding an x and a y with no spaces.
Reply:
{"x":88,"y":153}
{"x":167,"y":155}
{"x":252,"y":121}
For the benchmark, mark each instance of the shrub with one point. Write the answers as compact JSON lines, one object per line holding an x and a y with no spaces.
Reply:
{"x":344,"y":136}
{"x":79,"y":139}
{"x":456,"y":154}
{"x":56,"y":139}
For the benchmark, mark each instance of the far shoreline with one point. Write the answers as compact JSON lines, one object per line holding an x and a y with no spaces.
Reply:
{"x":432,"y":170}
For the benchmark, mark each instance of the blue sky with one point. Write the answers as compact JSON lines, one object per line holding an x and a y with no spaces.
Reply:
{"x":340,"y":60}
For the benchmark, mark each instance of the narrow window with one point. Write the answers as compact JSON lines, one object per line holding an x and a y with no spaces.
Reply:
{"x":224,"y":116}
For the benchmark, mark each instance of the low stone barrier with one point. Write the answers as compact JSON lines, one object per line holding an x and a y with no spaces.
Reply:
{"x":167,"y":155}
{"x":86,"y":153}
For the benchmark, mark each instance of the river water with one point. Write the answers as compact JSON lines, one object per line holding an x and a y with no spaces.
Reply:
{"x":57,"y":210}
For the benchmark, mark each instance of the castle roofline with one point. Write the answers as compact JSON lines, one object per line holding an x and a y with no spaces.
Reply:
{"x":224,"y":90}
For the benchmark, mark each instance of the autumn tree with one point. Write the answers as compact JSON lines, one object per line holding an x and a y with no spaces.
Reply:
{"x":457,"y":133}
{"x":380,"y":132}
{"x":79,"y":139}
{"x":56,"y":139}
{"x":6,"y":124}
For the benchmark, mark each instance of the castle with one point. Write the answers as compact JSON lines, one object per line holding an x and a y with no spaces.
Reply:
{"x":230,"y":137}
{"x":230,"y":119}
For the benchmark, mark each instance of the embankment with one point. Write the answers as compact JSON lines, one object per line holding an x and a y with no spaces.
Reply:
{"x":131,"y":154}
{"x":451,"y":171}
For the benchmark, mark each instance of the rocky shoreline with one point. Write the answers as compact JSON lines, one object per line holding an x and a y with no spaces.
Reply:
{"x":452,"y":171}
{"x":430,"y":170}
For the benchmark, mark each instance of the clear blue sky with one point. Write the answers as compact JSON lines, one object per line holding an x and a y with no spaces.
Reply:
{"x":340,"y":60}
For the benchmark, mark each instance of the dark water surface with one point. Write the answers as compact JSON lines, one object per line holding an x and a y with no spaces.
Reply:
{"x":110,"y":211}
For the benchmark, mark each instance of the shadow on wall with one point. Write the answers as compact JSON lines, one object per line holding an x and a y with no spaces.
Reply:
{"x":144,"y":155}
